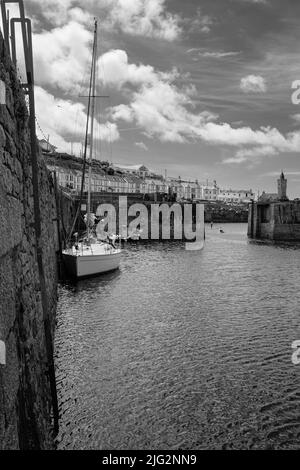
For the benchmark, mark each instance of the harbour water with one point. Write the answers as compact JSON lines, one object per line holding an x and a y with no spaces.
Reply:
{"x":183,"y":350}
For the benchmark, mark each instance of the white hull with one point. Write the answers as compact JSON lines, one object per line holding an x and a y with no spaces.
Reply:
{"x":82,"y":264}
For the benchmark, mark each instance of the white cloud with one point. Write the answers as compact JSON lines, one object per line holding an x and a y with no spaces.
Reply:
{"x":165,"y":112}
{"x":80,"y":16}
{"x":148,"y":18}
{"x":214,"y":54}
{"x":153,"y":103}
{"x":61,"y":56}
{"x":223,"y":133}
{"x":264,"y":151}
{"x":65,"y":121}
{"x":272,"y":143}
{"x":235,"y":160}
{"x":144,"y":17}
{"x":142,"y":146}
{"x":55,"y":12}
{"x":253,"y":84}
{"x":114,"y":69}
{"x":123,"y":112}
{"x":219,"y":55}
{"x":262,"y":2}
{"x":252,"y":153}
{"x":160,"y":109}
{"x":156,"y":105}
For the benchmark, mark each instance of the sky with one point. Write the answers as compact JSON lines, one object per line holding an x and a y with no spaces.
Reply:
{"x":201,"y":88}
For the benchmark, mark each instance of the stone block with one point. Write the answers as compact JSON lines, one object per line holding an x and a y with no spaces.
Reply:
{"x":2,"y":137}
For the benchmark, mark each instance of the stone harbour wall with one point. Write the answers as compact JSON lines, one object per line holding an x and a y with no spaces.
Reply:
{"x":26,"y":401}
{"x":277,"y":221}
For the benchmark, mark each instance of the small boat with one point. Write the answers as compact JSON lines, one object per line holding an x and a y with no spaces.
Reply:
{"x":87,"y":260}
{"x":90,"y":256}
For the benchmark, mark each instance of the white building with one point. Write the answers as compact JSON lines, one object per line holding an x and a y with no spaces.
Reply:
{"x":184,"y":190}
{"x":241,"y":196}
{"x":210,"y":191}
{"x":137,"y":179}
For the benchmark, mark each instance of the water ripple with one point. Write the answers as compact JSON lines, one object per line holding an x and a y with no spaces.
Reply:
{"x":183,"y":350}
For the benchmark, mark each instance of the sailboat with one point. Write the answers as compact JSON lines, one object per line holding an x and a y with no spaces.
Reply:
{"x":90,"y":256}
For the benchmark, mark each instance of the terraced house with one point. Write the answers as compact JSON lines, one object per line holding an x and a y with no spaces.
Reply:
{"x":135,"y":179}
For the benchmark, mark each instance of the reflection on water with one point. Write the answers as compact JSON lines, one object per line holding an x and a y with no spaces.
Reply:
{"x":183,"y":350}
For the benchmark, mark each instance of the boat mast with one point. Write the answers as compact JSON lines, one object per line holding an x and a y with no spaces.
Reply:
{"x":94,"y":68}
